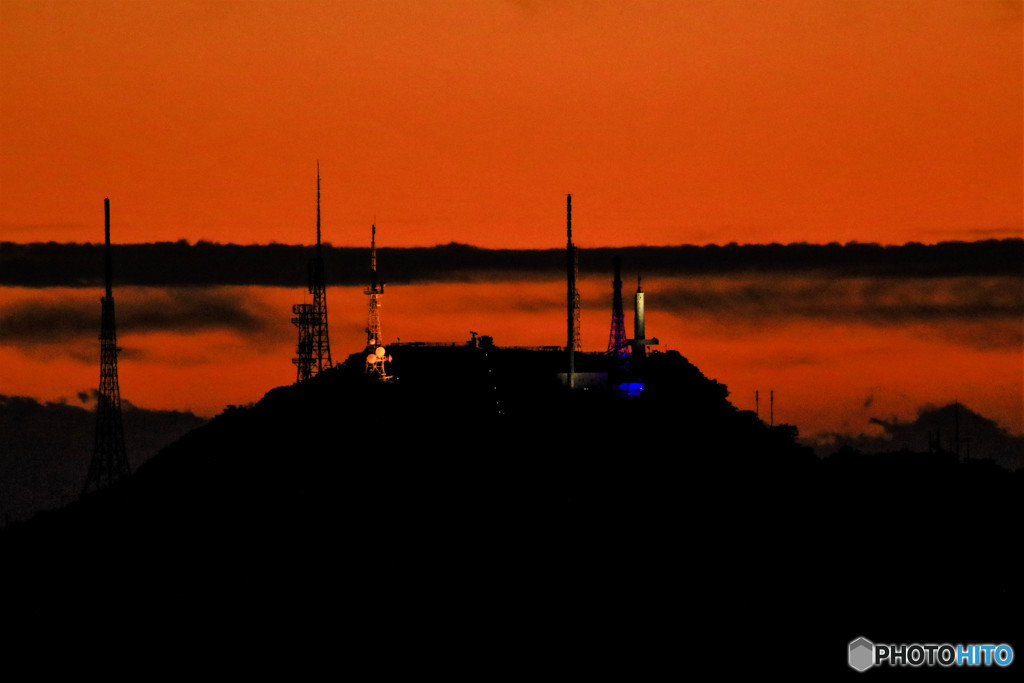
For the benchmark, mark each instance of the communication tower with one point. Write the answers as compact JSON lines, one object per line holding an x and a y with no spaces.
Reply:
{"x":314,"y":347}
{"x":572,"y":333}
{"x":618,"y":346}
{"x":376,"y":355}
{"x":109,"y":459}
{"x":303,"y":319}
{"x":640,"y":341}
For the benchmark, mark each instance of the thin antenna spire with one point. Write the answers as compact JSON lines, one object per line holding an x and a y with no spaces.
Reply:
{"x":572,"y":341}
{"x":373,"y":254}
{"x":108,"y":273}
{"x":109,"y":459}
{"x":318,"y":207}
{"x":314,"y":346}
{"x":376,"y":355}
{"x":568,"y":218}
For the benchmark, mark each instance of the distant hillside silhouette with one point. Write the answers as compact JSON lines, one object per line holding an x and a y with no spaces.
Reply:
{"x":938,"y":428}
{"x":45,"y":448}
{"x":478,"y":511}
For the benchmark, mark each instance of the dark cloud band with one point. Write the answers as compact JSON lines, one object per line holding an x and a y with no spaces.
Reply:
{"x":42,"y":319}
{"x":181,"y":263}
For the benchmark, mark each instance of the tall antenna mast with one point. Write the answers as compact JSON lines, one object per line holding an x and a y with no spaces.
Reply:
{"x":373,"y":255}
{"x":373,"y":336}
{"x":314,"y":347}
{"x":318,"y":254}
{"x":376,"y":355}
{"x":572,"y":333}
{"x":107,"y":268}
{"x":109,"y":459}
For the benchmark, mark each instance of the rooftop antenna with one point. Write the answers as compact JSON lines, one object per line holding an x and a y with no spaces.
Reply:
{"x":109,"y":459}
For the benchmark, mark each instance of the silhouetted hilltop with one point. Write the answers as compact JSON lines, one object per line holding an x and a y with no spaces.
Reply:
{"x":476,"y":505}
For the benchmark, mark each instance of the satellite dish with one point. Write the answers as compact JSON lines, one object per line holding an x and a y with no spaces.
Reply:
{"x":371,"y":359}
{"x":380,"y":352}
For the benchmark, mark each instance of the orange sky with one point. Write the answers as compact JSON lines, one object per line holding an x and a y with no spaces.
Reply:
{"x":681,"y":121}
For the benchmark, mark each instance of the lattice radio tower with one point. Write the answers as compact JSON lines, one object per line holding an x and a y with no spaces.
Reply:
{"x":572,"y":332}
{"x":109,"y":459}
{"x":373,"y":291}
{"x":314,"y":347}
{"x":618,"y":345}
{"x":303,"y":319}
{"x":376,"y":355}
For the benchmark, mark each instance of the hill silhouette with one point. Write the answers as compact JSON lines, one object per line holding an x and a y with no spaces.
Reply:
{"x":477,"y":510}
{"x":950,"y":427}
{"x":47,"y":446}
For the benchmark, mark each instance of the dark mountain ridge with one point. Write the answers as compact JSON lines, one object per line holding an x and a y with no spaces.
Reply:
{"x":477,"y":506}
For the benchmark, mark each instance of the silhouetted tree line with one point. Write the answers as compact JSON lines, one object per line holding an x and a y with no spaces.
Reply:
{"x":207,"y":263}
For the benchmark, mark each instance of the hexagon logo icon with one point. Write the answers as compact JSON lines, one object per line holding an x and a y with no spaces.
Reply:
{"x":862,"y":654}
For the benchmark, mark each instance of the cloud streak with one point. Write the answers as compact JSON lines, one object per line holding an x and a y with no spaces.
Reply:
{"x":205,"y":264}
{"x":43,"y":320}
{"x":737,"y":286}
{"x":973,"y":312}
{"x":881,"y":301}
{"x":978,"y":312}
